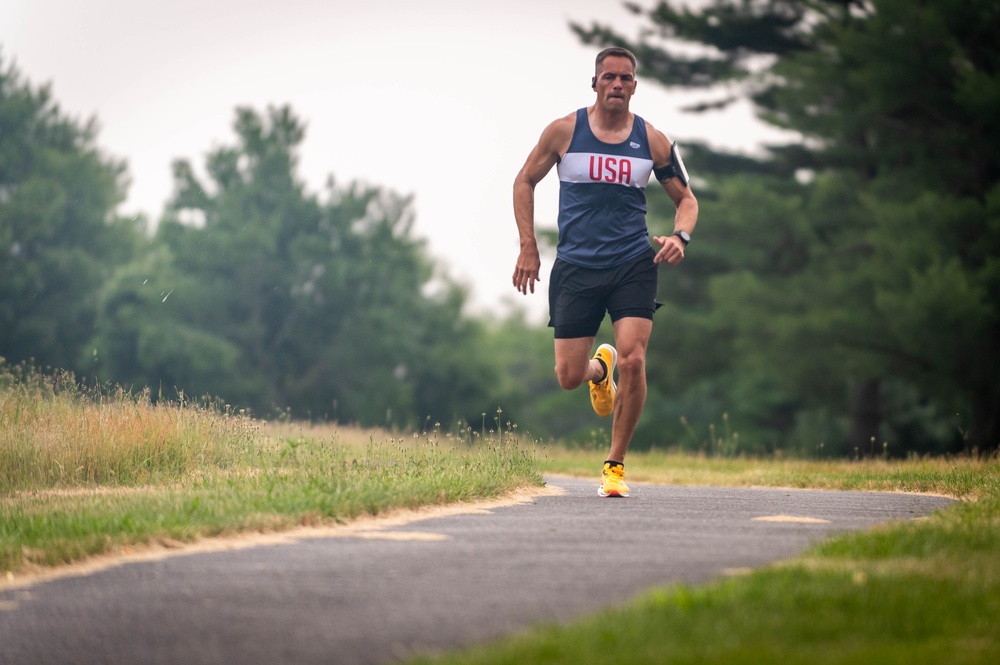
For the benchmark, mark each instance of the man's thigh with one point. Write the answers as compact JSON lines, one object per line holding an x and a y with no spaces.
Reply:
{"x":632,"y":335}
{"x":573,"y":358}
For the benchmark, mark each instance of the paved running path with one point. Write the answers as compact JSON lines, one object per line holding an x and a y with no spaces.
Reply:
{"x":436,"y":583}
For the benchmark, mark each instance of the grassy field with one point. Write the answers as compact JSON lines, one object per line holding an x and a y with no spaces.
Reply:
{"x":90,"y":472}
{"x":961,"y":477}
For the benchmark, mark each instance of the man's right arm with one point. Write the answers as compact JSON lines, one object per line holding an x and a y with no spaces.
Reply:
{"x":551,"y":146}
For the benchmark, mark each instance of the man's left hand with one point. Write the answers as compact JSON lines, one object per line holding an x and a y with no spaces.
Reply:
{"x":671,"y":250}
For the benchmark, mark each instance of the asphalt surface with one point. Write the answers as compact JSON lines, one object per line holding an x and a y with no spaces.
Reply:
{"x":378,"y":595}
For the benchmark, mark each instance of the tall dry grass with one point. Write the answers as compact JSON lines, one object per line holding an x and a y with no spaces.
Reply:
{"x":87,"y":471}
{"x":56,"y":433}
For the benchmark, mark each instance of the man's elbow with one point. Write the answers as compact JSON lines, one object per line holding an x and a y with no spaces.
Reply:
{"x":522,"y":183}
{"x":687,"y":202}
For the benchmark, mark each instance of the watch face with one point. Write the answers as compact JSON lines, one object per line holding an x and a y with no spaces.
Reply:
{"x":684,"y":236}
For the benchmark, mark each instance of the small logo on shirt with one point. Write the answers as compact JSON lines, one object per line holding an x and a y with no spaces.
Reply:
{"x":633,"y":145}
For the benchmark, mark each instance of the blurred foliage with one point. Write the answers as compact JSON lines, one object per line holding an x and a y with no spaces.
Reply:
{"x":277,"y":300}
{"x":842,"y":292}
{"x":59,"y":237}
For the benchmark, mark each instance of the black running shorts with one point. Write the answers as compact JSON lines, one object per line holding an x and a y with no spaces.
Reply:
{"x":580,"y":297}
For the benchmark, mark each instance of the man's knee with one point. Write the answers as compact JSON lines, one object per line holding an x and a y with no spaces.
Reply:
{"x":570,"y":377}
{"x":632,"y":364}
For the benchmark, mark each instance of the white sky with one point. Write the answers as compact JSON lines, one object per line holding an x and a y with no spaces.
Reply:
{"x":441,"y":99}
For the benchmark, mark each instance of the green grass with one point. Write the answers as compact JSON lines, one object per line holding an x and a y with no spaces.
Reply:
{"x":86,"y":472}
{"x":961,"y":477}
{"x":797,"y":615}
{"x":922,"y":591}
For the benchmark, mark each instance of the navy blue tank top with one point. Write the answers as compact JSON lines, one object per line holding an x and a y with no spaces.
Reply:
{"x":602,"y":197}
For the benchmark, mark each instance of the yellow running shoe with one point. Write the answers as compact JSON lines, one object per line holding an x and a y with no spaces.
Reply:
{"x":613,"y":481}
{"x":602,"y":395}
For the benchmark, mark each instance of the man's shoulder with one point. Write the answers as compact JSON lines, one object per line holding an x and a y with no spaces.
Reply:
{"x":659,"y":143}
{"x":651,"y":130}
{"x":559,"y":133}
{"x":565,"y":123}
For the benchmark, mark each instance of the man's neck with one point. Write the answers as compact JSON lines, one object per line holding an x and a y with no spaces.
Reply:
{"x":610,"y":122}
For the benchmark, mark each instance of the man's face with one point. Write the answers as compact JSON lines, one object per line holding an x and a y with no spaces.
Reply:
{"x":615,"y":83}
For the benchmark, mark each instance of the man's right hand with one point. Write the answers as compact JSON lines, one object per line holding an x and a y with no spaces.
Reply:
{"x":526,"y":270}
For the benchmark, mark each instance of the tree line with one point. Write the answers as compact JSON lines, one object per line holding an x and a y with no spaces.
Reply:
{"x":844,"y":289}
{"x":840,"y":297}
{"x":250,"y":290}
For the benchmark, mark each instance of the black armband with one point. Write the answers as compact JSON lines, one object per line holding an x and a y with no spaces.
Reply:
{"x":675,"y":169}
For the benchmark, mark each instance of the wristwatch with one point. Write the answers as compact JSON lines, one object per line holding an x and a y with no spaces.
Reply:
{"x":684,"y":236}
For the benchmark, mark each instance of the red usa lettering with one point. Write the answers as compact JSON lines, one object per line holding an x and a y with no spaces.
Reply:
{"x":610,"y":169}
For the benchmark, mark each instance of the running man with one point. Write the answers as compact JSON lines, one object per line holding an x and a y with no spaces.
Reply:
{"x":605,"y":263}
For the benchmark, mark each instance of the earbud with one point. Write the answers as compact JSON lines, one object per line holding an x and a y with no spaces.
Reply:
{"x":593,"y":82}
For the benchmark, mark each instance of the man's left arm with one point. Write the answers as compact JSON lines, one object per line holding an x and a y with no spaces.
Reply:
{"x":669,"y":170}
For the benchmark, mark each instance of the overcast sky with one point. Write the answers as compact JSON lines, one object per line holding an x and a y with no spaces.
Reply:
{"x":441,"y":99}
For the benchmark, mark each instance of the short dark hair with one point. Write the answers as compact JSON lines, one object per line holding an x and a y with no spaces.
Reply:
{"x":613,"y":51}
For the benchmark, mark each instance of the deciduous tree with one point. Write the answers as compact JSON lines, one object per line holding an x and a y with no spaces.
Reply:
{"x":60,"y":237}
{"x":266,"y":296}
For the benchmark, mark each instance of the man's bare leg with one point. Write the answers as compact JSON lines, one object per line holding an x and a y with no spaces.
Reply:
{"x":631,"y":340}
{"x":574,"y":364}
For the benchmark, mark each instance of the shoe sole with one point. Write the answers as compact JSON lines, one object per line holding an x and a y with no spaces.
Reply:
{"x":600,"y":492}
